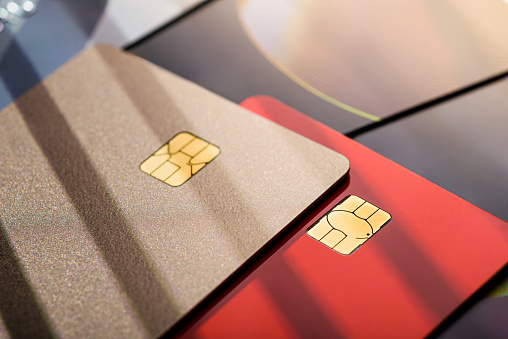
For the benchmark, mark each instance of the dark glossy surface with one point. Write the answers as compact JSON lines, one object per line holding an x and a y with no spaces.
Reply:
{"x":371,"y":59}
{"x":486,"y":320}
{"x":210,"y":48}
{"x":461,"y":145}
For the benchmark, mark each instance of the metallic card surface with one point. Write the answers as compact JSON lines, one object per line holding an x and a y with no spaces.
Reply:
{"x":349,"y":224}
{"x":108,"y":250}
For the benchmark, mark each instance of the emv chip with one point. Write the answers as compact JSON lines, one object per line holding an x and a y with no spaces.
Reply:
{"x":179,"y":159}
{"x":349,"y":224}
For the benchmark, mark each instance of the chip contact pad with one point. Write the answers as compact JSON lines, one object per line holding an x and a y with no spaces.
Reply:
{"x":179,"y":159}
{"x":349,"y":224}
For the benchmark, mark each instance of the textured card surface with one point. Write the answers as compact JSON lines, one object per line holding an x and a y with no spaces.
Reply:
{"x":104,"y":249}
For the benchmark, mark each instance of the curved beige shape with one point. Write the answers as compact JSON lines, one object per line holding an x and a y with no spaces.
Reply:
{"x":375,"y":58}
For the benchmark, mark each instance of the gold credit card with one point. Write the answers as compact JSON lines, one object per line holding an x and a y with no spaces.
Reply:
{"x":128,"y":194}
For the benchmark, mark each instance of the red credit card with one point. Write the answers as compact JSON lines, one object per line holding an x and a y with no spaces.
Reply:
{"x":401,"y":279}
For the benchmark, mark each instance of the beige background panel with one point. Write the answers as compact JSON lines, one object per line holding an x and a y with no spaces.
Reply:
{"x":381,"y":57}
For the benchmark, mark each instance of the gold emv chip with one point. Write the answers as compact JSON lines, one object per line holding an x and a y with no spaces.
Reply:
{"x":178,"y":160}
{"x":349,"y":224}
